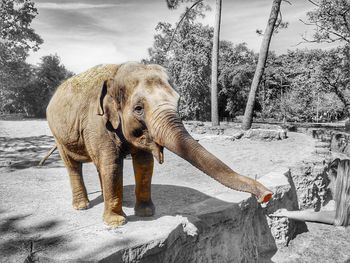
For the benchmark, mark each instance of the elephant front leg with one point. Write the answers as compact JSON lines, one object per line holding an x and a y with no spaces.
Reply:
{"x":143,"y":169}
{"x":112,"y":184}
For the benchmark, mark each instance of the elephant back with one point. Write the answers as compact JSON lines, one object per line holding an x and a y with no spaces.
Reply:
{"x":74,"y":99}
{"x":90,"y":80}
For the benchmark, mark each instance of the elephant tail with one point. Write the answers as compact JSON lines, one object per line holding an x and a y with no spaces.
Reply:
{"x":41,"y":163}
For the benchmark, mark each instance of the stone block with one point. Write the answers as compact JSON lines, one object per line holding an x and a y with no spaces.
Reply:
{"x":285,"y":196}
{"x":311,"y":183}
{"x":265,"y":134}
{"x":235,"y":134}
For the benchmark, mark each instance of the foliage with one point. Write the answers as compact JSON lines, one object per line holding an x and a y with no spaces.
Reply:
{"x":188,"y":62}
{"x":17,"y":37}
{"x":34,"y":87}
{"x":18,"y":75}
{"x":24,"y":88}
{"x":236,"y":70}
{"x":295,"y":88}
{"x":332,"y":21}
{"x":334,"y":73}
{"x":301,"y":85}
{"x":47,"y":76}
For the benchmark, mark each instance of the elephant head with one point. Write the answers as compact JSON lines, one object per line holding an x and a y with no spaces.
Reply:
{"x":141,"y":100}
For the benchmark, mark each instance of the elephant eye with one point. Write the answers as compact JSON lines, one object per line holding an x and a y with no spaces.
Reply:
{"x":138,"y":109}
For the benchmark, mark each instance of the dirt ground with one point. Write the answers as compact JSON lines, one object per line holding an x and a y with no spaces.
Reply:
{"x":24,"y":143}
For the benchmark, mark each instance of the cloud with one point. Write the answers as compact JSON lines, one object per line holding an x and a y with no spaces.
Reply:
{"x":72,"y":6}
{"x":72,"y":24}
{"x":89,"y":32}
{"x":77,"y":57}
{"x":85,"y":37}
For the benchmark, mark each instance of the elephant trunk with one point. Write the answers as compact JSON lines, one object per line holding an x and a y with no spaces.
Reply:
{"x":169,"y":132}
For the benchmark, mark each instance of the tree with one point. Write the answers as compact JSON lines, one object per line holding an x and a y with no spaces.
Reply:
{"x":11,"y":95}
{"x":214,"y":66}
{"x":48,"y":75}
{"x":295,"y":88}
{"x":236,"y":71}
{"x":17,"y":38}
{"x":332,"y":21}
{"x":248,"y":115}
{"x":334,"y":75}
{"x":215,"y":55}
{"x":34,"y":87}
{"x":188,"y":62}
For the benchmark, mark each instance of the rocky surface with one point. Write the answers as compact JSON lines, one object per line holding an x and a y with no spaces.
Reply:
{"x":311,"y":183}
{"x":265,"y":134}
{"x":331,"y":141}
{"x":285,"y":196}
{"x":199,"y":127}
{"x":320,"y":243}
{"x":233,"y":131}
{"x":340,"y":142}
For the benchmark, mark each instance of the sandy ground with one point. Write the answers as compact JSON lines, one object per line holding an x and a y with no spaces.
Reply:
{"x":321,"y":243}
{"x":28,"y":191}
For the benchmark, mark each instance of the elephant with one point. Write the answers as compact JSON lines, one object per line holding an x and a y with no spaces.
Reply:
{"x":110,"y":111}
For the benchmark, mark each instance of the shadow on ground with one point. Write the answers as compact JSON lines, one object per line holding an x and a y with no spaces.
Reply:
{"x":26,"y":152}
{"x":21,"y":243}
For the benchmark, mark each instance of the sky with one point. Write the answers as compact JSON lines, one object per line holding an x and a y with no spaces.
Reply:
{"x":86,"y":33}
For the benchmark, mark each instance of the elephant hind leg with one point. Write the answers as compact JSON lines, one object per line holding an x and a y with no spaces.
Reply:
{"x":80,"y":200}
{"x":143,"y":169}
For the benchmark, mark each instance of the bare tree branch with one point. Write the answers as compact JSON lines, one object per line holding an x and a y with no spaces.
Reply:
{"x":279,"y":21}
{"x":327,"y":30}
{"x":312,"y":2}
{"x":179,"y":23}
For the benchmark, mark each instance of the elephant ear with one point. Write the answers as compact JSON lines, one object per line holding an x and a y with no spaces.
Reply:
{"x":107,"y":105}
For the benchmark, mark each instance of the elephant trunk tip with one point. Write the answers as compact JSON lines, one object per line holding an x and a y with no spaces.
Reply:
{"x":265,"y":197}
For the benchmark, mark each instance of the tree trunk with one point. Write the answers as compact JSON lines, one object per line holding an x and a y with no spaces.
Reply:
{"x":342,"y":98}
{"x":263,"y":101}
{"x":346,"y":103}
{"x":214,"y":66}
{"x":264,"y":49}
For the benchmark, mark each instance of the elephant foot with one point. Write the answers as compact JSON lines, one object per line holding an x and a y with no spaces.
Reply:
{"x":144,"y":209}
{"x":81,"y":204}
{"x":113,"y":220}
